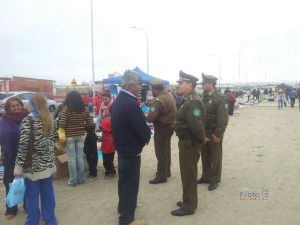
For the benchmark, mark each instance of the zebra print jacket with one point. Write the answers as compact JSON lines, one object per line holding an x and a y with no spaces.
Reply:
{"x":43,"y":164}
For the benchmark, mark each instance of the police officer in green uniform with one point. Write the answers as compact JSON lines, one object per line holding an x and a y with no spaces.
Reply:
{"x":162,"y":113}
{"x":216,"y":108}
{"x":189,"y":127}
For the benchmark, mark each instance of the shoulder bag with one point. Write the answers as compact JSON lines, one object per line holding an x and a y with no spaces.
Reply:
{"x":28,"y":162}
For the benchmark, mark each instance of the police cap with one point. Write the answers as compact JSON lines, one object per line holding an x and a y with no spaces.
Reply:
{"x":156,"y":84}
{"x":186,"y":77}
{"x":208,"y":78}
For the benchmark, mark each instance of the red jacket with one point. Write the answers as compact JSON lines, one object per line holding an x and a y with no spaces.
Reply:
{"x":87,"y":100}
{"x":107,"y":145}
{"x":230,"y":97}
{"x":97,"y":101}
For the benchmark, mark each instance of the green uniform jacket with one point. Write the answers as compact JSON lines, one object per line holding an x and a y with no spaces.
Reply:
{"x":190,"y":118}
{"x":162,"y":112}
{"x":216,"y":108}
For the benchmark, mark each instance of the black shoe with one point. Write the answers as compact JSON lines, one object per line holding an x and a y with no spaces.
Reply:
{"x":179,"y":203}
{"x":212,"y":186}
{"x":202,"y":181}
{"x":179,"y":212}
{"x":157,"y":181}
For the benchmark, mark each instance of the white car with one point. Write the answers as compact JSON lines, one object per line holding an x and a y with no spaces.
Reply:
{"x":24,"y":96}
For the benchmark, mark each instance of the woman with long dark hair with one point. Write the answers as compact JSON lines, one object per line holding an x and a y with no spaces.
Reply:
{"x":74,"y":118}
{"x":9,"y":141}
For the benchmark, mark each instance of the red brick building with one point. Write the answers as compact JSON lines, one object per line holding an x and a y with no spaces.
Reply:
{"x":27,"y":84}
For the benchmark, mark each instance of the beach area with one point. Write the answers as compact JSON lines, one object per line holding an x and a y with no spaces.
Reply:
{"x":260,"y":180}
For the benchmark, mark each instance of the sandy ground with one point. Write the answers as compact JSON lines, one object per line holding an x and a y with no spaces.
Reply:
{"x":261,"y":154}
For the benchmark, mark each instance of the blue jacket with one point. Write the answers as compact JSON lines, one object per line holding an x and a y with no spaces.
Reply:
{"x":293,"y":94}
{"x":129,"y":127}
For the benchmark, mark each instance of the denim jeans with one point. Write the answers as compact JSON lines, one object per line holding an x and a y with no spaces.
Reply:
{"x":280,"y":104}
{"x":128,"y":187}
{"x":40,"y":189}
{"x":74,"y":148}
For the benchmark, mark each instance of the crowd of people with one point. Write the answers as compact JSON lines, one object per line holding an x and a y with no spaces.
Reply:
{"x":198,"y":122}
{"x":284,"y":97}
{"x":199,"y":125}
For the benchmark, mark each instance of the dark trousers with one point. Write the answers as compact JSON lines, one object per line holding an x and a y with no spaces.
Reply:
{"x":40,"y":191}
{"x":108,"y":162}
{"x":189,"y":154}
{"x":292,"y":102}
{"x":211,"y":156}
{"x":231,"y":108}
{"x":92,"y":160}
{"x":162,"y":145}
{"x":8,"y":178}
{"x":128,"y":187}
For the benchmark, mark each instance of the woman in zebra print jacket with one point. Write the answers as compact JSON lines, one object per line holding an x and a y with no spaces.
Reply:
{"x":38,"y":176}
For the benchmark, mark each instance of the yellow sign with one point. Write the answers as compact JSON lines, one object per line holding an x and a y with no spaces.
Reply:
{"x":74,"y":83}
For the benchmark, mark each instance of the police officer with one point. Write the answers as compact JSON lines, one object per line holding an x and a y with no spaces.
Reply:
{"x":189,"y":127}
{"x":162,"y":113}
{"x":216,"y":108}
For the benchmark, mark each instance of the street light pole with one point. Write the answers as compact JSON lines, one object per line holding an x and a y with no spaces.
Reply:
{"x":138,"y":28}
{"x":219,"y":59}
{"x":241,"y":48}
{"x":92,"y":46}
{"x":246,"y":74}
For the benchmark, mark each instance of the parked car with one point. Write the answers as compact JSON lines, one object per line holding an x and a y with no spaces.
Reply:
{"x":24,"y":96}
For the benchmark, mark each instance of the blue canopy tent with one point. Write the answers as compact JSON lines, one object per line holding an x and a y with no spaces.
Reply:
{"x":113,"y":80}
{"x":145,"y":78}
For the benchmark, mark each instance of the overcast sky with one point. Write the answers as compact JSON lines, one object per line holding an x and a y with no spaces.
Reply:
{"x":51,"y":39}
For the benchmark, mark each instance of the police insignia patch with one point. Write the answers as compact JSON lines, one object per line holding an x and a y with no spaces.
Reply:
{"x":226,"y":106}
{"x":152,"y":109}
{"x":196,"y":112}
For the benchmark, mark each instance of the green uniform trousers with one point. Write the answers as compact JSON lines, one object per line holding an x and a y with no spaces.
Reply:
{"x":211,"y":157}
{"x":162,"y":145}
{"x":189,"y":154}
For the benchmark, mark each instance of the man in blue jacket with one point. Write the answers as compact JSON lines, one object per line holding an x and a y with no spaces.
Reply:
{"x":293,"y":96}
{"x":131,"y":133}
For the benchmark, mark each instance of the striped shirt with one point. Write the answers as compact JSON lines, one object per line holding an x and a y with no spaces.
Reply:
{"x":74,"y":122}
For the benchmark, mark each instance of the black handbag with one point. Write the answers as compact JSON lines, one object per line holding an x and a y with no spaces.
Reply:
{"x":28,"y":162}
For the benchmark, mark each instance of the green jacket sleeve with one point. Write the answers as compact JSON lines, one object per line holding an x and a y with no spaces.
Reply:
{"x":154,"y":111}
{"x":222,"y":117}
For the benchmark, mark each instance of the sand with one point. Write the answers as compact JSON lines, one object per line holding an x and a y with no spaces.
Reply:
{"x":261,"y":153}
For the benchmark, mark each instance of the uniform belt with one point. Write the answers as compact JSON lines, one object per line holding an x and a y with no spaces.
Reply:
{"x":185,"y":136}
{"x":210,"y":127}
